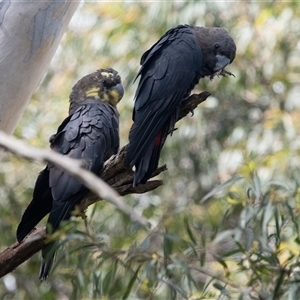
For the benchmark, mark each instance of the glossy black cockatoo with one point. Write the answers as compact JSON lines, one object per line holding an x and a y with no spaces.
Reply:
{"x":169,"y":71}
{"x":91,"y":134}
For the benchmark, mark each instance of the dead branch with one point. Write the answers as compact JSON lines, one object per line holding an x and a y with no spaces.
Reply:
{"x":116,"y":179}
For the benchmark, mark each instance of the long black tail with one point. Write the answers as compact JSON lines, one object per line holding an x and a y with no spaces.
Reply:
{"x":39,"y":207}
{"x":146,"y":139}
{"x":59,"y":213}
{"x":48,"y":254}
{"x":148,"y":163}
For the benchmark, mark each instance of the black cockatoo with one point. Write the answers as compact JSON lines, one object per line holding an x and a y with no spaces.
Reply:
{"x":169,"y":71}
{"x":90,"y":133}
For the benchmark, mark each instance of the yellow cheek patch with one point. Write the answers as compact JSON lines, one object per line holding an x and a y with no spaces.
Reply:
{"x":114,"y":97}
{"x":105,"y":97}
{"x":93,"y":93}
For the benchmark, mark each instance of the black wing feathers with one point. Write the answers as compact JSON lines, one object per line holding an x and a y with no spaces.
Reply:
{"x":37,"y":209}
{"x":169,"y":71}
{"x":94,"y":140}
{"x":89,"y":134}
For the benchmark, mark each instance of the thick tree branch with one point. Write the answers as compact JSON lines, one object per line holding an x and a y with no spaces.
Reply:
{"x":117,"y":176}
{"x":96,"y":185}
{"x":16,"y":254}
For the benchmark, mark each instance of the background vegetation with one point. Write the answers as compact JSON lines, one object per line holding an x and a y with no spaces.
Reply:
{"x":226,"y":222}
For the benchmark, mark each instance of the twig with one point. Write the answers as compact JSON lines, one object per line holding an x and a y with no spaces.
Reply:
{"x":218,"y":277}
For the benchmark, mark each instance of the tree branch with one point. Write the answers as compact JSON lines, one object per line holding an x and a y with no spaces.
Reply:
{"x":96,"y":185}
{"x":118,"y":181}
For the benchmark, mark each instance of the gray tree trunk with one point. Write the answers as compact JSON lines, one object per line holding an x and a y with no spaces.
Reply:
{"x":30,"y":32}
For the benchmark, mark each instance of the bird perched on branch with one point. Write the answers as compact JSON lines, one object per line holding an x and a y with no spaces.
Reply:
{"x":169,"y":71}
{"x":90,"y":133}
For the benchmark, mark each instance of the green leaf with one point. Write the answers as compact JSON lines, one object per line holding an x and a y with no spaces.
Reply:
{"x":278,"y":287}
{"x":189,"y":231}
{"x":218,"y":286}
{"x":168,"y":245}
{"x":110,"y":278}
{"x":221,"y":187}
{"x":131,"y":283}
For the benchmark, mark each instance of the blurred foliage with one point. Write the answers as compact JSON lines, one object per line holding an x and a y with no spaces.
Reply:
{"x":226,"y":223}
